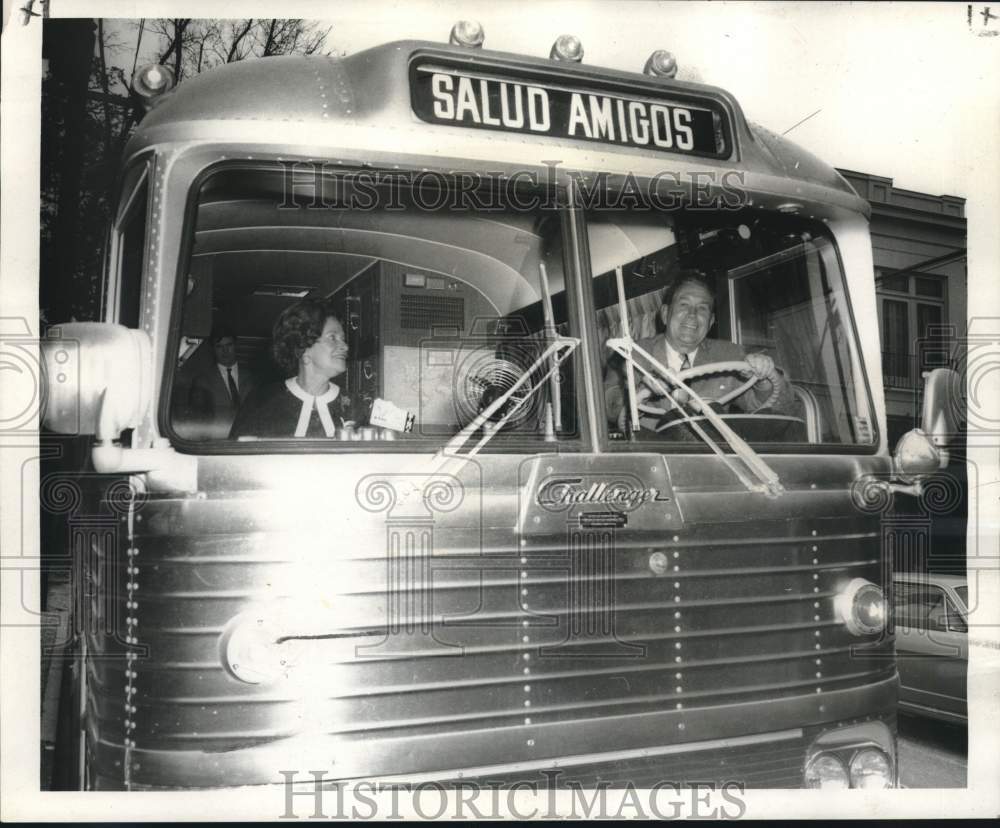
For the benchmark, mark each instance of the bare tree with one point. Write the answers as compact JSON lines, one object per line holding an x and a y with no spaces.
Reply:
{"x":88,"y":118}
{"x":138,"y":46}
{"x":105,"y":87}
{"x":239,"y":46}
{"x":291,"y":36}
{"x":193,"y":46}
{"x":270,"y":37}
{"x":172,"y":31}
{"x":200,"y":35}
{"x":69,"y":47}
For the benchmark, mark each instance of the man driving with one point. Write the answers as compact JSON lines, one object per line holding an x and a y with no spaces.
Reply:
{"x":688,"y":313}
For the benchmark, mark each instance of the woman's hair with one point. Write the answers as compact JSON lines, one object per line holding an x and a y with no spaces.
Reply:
{"x":298,"y":327}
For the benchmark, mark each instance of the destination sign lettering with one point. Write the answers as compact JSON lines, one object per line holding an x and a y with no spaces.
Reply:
{"x":445,"y":96}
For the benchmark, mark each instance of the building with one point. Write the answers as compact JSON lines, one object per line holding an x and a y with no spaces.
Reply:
{"x":919,"y":248}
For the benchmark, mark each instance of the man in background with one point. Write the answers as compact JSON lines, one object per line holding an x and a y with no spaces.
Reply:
{"x":217,"y":393}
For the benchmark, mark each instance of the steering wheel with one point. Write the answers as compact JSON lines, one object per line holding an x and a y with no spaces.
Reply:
{"x":732,"y":367}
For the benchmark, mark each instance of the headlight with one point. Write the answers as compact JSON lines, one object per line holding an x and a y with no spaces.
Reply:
{"x":826,"y":771}
{"x":861,"y":606}
{"x":870,"y":768}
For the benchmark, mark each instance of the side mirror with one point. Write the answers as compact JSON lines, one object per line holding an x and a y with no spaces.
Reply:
{"x":917,"y":456}
{"x":108,"y":385}
{"x":942,"y":412}
{"x":923,"y":450}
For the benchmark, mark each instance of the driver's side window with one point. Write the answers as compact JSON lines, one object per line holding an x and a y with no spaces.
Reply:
{"x":753,"y":305}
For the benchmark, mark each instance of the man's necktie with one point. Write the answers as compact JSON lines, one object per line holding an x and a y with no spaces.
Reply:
{"x":234,"y":392}
{"x":681,"y":396}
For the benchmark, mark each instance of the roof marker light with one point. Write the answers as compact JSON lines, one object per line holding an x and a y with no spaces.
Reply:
{"x":467,"y":33}
{"x":567,"y":47}
{"x":661,"y":64}
{"x":151,"y":82}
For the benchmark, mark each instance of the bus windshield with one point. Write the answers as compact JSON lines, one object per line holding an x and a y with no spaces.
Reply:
{"x":748,"y":310}
{"x":355,"y":307}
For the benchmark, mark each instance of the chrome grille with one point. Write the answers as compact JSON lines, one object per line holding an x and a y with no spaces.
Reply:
{"x":748,"y":636}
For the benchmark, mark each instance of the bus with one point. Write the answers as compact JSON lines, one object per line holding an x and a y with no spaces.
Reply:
{"x":526,"y":544}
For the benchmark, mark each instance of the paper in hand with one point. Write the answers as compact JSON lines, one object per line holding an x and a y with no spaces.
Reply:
{"x":388,"y":415}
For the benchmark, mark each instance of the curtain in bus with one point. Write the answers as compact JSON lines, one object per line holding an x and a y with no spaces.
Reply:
{"x":642,"y":314}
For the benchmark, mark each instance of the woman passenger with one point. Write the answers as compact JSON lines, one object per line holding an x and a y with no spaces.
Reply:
{"x":309,"y":346}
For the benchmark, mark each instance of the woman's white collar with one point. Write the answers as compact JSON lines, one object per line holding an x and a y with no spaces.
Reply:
{"x":309,"y":402}
{"x":328,"y":396}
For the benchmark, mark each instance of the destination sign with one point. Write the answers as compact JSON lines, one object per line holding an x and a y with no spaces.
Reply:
{"x":443,"y":95}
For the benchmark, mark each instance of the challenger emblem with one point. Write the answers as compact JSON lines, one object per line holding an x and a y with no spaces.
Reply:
{"x":559,"y":493}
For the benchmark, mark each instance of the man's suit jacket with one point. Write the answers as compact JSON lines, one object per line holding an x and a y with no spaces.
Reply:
{"x":709,"y":386}
{"x":209,"y":402}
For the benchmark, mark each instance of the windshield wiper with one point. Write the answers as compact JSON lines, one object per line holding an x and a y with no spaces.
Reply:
{"x":557,"y":349}
{"x":448,"y":460}
{"x":768,"y":481}
{"x":554,"y":354}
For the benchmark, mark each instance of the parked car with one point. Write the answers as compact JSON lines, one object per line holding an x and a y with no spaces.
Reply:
{"x":931,"y":618}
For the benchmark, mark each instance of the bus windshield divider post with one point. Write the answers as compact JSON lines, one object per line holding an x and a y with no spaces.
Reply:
{"x":551,"y":334}
{"x":770,"y":483}
{"x":627,"y":342}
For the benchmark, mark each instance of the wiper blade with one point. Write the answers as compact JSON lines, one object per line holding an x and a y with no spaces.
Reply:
{"x":768,"y":481}
{"x":560,"y":348}
{"x":448,"y":460}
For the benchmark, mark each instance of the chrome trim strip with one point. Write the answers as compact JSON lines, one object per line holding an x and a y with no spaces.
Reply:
{"x":583,"y":759}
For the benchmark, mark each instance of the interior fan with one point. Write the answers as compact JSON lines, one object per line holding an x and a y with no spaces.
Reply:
{"x":484,"y":376}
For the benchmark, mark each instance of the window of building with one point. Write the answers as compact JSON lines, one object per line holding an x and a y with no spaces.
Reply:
{"x":911,"y":311}
{"x":925,"y":286}
{"x":898,"y":425}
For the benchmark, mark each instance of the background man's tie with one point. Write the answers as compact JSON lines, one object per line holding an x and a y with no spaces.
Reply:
{"x":234,"y":392}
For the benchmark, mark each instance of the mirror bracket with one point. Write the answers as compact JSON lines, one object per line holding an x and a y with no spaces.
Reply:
{"x":915,"y":489}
